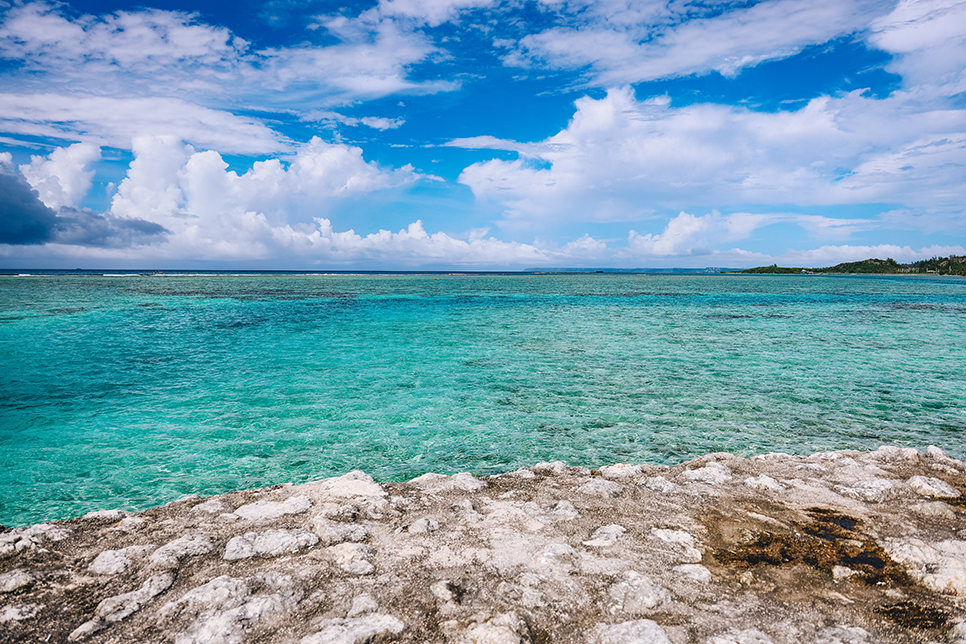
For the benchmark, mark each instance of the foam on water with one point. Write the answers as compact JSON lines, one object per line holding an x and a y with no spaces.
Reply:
{"x":133,"y":391}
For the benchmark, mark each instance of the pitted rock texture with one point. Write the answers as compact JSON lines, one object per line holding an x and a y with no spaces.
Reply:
{"x":838,"y":547}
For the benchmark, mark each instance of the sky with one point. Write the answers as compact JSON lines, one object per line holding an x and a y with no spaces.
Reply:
{"x":480,"y":134}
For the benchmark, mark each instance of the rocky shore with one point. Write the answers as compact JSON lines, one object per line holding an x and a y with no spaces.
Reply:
{"x":834,"y":548}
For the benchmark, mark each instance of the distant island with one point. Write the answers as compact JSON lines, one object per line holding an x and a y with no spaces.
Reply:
{"x":952,"y":265}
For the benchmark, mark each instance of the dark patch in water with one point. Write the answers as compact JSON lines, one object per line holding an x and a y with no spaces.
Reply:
{"x":726,"y":316}
{"x":913,"y":615}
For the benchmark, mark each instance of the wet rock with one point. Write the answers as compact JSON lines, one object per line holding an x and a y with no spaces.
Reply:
{"x":270,"y":543}
{"x":114,"y":609}
{"x":190,"y":545}
{"x":268,"y":510}
{"x":359,"y":630}
{"x":642,"y":631}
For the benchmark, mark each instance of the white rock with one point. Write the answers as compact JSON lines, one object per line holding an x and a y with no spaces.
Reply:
{"x":360,"y":630}
{"x":15,"y":580}
{"x":354,"y":484}
{"x":20,"y":612}
{"x":559,"y":556}
{"x":843,"y":634}
{"x":353,"y":558}
{"x":108,"y":515}
{"x":502,"y":629}
{"x":871,"y":490}
{"x":605,"y":536}
{"x":331,"y":533}
{"x":936,"y":456}
{"x":958,"y":634}
{"x":697,"y":572}
{"x":893,"y":454}
{"x":30,"y":536}
{"x":114,"y":609}
{"x":620,"y":471}
{"x":564,"y":511}
{"x":642,"y":631}
{"x":423,"y":525}
{"x":841,"y":572}
{"x":267,"y":510}
{"x":748,"y":636}
{"x":764,"y":482}
{"x":682,"y":539}
{"x":935,"y":509}
{"x":522,"y":473}
{"x":662,"y":485}
{"x":190,"y":545}
{"x":601,"y":488}
{"x":939,"y":565}
{"x":211,"y":506}
{"x":636,"y":594}
{"x":464,"y":509}
{"x":929,"y":486}
{"x":112,"y":562}
{"x":224,"y":609}
{"x":362,"y":605}
{"x":130,"y":524}
{"x":463,"y":481}
{"x":270,"y":543}
{"x":557,"y":468}
{"x":711,"y":473}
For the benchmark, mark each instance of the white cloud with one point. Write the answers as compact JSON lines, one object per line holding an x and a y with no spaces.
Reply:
{"x":620,"y":158}
{"x":629,"y":42}
{"x":62,"y":178}
{"x":111,"y":121}
{"x":430,"y":12}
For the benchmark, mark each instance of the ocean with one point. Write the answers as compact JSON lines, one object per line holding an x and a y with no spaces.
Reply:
{"x":131,"y":391}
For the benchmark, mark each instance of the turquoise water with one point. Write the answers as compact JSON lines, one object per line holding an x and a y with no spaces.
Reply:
{"x":132,"y":391}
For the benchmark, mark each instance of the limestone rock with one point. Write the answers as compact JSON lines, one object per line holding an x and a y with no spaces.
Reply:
{"x":114,"y":609}
{"x":113,"y":562}
{"x":20,"y":612}
{"x":359,"y":630}
{"x":605,"y":536}
{"x":714,"y":473}
{"x":600,"y":487}
{"x":620,"y":471}
{"x":464,"y":481}
{"x":353,"y":558}
{"x":642,"y":631}
{"x":874,"y":490}
{"x":930,"y":486}
{"x":331,"y":533}
{"x":502,"y":629}
{"x":190,"y":545}
{"x":270,"y":543}
{"x":636,"y":594}
{"x":268,"y":510}
{"x":15,"y":580}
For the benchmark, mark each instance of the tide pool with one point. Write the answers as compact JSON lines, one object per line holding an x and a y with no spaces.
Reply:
{"x":133,"y":391}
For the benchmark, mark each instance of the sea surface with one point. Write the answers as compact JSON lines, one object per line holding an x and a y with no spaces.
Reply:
{"x":130,"y":391}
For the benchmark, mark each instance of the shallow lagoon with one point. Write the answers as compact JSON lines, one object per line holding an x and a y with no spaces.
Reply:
{"x":132,"y":391}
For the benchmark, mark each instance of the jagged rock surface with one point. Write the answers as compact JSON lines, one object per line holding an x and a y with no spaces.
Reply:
{"x":839,"y":547}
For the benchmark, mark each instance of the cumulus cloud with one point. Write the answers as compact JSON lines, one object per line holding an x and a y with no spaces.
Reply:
{"x":26,"y":220}
{"x":64,"y":177}
{"x":620,"y":157}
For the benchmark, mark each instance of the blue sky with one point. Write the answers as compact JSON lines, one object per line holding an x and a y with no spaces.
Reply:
{"x":482,"y":134}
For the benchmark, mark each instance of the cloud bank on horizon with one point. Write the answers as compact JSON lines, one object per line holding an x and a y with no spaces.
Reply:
{"x":481,"y":133}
